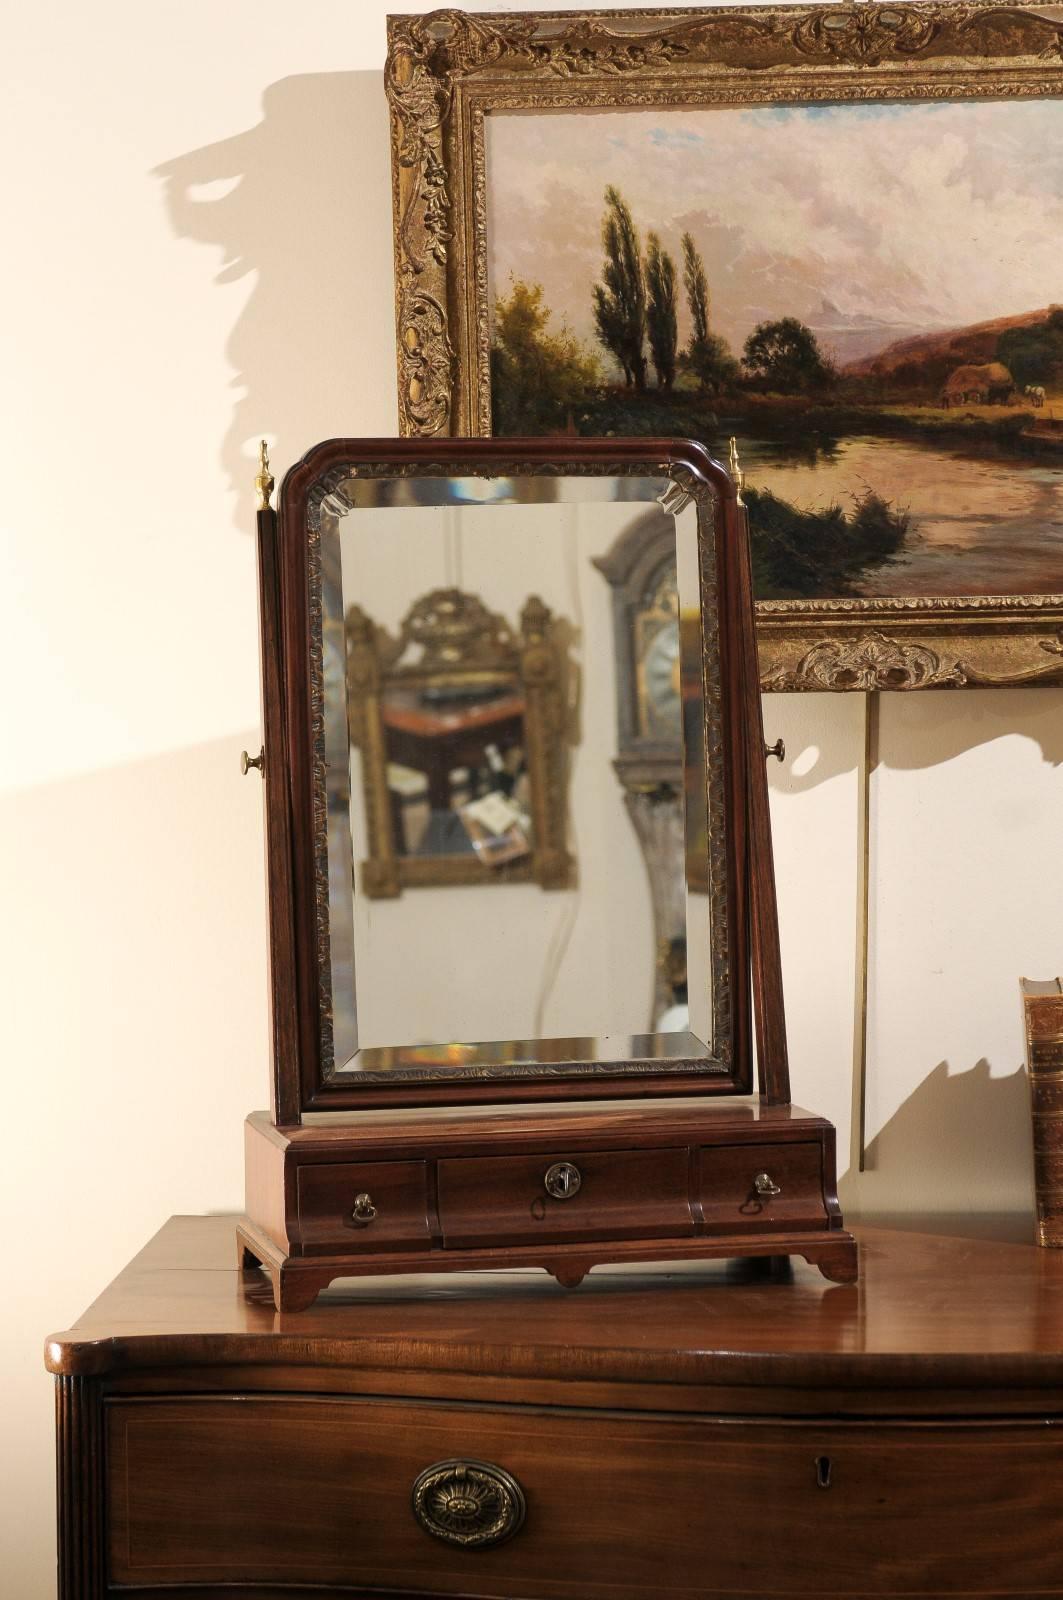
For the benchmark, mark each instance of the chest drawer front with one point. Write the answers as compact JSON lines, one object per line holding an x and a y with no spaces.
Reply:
{"x":505,"y":1199}
{"x":243,"y":1489}
{"x":368,"y":1205}
{"x":732,"y":1196}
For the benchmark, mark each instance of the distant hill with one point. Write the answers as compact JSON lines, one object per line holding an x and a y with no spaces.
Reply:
{"x":947,"y":347}
{"x":855,"y":338}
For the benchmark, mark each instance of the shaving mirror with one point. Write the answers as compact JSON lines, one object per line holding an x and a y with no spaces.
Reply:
{"x":470,"y":905}
{"x":512,"y":1018}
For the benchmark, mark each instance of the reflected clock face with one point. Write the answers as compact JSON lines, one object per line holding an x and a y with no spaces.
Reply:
{"x":659,"y":682}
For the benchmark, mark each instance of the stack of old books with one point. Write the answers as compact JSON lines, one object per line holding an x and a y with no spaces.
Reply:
{"x":1042,"y":1005}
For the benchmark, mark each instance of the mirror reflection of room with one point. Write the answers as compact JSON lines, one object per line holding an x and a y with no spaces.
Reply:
{"x":449,"y":701}
{"x":496,"y":871}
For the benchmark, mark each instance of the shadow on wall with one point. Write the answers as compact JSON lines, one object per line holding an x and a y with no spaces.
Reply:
{"x":923,"y":728}
{"x":302,"y":203}
{"x":961,"y":1144}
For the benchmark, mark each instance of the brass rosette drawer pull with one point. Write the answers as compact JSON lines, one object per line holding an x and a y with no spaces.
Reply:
{"x":471,"y":1504}
{"x":363,"y":1211}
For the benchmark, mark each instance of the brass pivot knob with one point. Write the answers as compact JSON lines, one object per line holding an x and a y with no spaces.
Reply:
{"x":764,"y":1186}
{"x":247,"y":762}
{"x":363,"y":1210}
{"x":778,"y":750}
{"x":562,"y":1180}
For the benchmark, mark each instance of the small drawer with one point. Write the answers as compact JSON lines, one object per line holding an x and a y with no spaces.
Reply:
{"x":381,"y":1205}
{"x":738,"y":1180}
{"x":498,"y":1200}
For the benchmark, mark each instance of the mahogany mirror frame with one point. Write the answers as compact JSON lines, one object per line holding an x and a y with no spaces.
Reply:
{"x":300,"y":1086}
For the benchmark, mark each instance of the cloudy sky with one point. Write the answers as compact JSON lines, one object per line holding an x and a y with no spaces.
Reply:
{"x":868,"y":222}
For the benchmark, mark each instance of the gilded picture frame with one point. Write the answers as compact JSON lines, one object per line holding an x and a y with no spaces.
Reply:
{"x":448,"y":72}
{"x":464,"y":645}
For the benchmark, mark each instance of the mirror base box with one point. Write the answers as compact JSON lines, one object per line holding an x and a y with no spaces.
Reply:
{"x":561,"y":1188}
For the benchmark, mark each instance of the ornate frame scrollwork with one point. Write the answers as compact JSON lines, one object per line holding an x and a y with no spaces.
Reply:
{"x":447,"y":71}
{"x":460,"y":642}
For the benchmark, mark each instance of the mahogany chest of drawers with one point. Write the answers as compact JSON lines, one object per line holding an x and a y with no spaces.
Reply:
{"x":702,"y":1431}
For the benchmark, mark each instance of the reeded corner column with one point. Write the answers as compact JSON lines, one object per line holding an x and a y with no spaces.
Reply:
{"x":79,"y":1488}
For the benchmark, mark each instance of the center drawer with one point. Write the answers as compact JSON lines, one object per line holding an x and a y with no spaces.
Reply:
{"x":602,"y":1194}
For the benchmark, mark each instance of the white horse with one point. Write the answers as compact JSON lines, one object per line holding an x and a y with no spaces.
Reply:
{"x":1036,"y":393}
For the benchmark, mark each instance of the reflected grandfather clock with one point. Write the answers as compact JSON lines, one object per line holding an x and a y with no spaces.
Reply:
{"x":641,"y":569}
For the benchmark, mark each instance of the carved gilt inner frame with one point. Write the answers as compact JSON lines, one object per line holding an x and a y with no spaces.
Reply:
{"x":487,"y":653}
{"x":447,"y":71}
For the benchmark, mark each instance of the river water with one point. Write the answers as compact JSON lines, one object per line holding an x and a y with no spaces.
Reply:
{"x":981,"y":523}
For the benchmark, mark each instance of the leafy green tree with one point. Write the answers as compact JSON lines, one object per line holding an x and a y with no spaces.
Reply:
{"x":620,"y":298}
{"x":661,"y":320}
{"x":538,"y":379}
{"x":1034,"y":354}
{"x":786,"y":357}
{"x":706,"y":355}
{"x":800,"y":553}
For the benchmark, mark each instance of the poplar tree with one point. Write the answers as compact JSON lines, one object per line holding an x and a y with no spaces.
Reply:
{"x":620,"y":298}
{"x":661,"y":321}
{"x":697,"y":288}
{"x":706,"y":355}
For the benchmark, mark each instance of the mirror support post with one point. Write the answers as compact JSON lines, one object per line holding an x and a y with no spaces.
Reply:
{"x":773,"y":1068}
{"x":284,"y":1085}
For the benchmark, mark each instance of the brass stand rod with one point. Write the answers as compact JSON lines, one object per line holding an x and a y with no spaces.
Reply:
{"x":871,"y":715}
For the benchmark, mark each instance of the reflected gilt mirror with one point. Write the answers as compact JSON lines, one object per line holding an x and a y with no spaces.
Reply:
{"x":458,"y":726}
{"x":465,"y":900}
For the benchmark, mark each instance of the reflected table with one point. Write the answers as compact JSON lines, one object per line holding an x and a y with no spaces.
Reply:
{"x":438,"y":739}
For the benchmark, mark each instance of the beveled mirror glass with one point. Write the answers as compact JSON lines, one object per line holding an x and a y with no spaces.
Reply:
{"x":494,"y":902}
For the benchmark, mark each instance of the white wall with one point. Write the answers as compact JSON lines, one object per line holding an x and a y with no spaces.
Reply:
{"x":197,"y":212}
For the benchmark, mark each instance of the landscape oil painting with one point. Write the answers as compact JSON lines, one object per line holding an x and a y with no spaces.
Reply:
{"x":868,"y":295}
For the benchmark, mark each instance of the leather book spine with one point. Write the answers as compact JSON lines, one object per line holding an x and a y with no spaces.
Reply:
{"x":1043,"y":1017}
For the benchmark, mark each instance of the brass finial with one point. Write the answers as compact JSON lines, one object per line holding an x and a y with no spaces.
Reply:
{"x":736,"y":470}
{"x":264,"y":477}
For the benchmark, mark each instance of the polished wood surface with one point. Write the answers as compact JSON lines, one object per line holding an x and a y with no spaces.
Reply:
{"x":904,"y":1433}
{"x":656,"y":1181}
{"x":928,"y":1312}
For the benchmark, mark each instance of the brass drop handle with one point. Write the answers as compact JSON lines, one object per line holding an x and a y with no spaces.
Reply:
{"x":470,"y":1504}
{"x":363,"y":1210}
{"x":764,"y":1185}
{"x":778,"y":750}
{"x":562,"y":1180}
{"x":247,"y":762}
